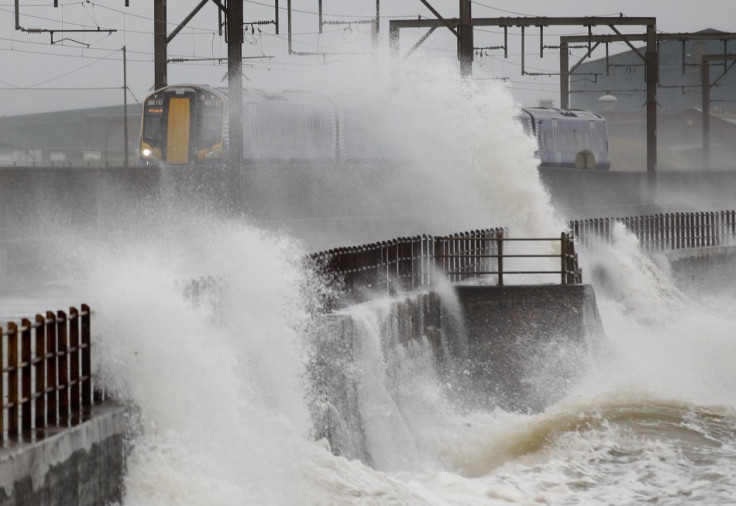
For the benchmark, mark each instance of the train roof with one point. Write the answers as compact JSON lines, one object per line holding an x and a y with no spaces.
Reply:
{"x":550,"y":112}
{"x":256,"y":96}
{"x":197,"y":87}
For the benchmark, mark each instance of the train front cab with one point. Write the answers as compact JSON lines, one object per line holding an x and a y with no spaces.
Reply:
{"x":182,"y":126}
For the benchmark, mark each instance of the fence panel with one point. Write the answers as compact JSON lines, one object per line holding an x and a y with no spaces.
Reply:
{"x":47,"y":372}
{"x":664,"y":231}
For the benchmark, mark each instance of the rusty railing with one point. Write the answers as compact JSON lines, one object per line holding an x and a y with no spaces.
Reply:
{"x":660,"y":232}
{"x":413,"y":262}
{"x":45,"y":372}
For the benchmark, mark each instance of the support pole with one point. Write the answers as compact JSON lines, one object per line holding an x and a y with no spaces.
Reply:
{"x":652,"y":66}
{"x":235,"y":98}
{"x":159,"y":44}
{"x":125,"y":107}
{"x":465,"y":39}
{"x":564,"y":76}
{"x":376,"y":25}
{"x":288,"y":23}
{"x":705,"y":71}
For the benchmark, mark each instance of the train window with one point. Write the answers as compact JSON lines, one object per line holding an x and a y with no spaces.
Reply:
{"x":210,"y":123}
{"x":153,"y":123}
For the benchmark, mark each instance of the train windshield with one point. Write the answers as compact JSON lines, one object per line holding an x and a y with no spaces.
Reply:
{"x":210,"y":121}
{"x":153,"y":122}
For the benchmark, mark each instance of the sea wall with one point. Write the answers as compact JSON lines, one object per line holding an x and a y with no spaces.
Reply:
{"x":81,"y":465}
{"x":514,"y":347}
{"x":526,"y":343}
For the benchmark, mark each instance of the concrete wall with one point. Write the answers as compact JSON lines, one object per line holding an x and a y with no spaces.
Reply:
{"x":76,"y":466}
{"x":514,"y":347}
{"x":580,"y":194}
{"x":526,"y":343}
{"x":319,"y":203}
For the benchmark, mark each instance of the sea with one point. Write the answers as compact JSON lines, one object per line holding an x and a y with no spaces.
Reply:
{"x":219,"y":391}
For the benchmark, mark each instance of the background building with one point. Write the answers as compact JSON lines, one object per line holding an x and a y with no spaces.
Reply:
{"x":75,"y":137}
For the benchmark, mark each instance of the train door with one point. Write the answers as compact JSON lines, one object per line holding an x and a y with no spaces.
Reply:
{"x":177,"y":135}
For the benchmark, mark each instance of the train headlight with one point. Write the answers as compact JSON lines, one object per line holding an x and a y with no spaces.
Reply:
{"x":146,"y":152}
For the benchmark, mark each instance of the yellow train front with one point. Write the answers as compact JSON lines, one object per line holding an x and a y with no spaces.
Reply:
{"x":184,"y":125}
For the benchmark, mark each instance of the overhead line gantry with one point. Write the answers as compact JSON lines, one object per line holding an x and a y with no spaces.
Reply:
{"x":462,"y":28}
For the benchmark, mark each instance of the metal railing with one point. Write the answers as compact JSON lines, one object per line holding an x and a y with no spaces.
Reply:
{"x":660,"y":232}
{"x":45,"y":372}
{"x":412,"y":262}
{"x":453,"y":251}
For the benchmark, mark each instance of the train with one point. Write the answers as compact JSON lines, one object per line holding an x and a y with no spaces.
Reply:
{"x":188,"y":125}
{"x":569,"y":138}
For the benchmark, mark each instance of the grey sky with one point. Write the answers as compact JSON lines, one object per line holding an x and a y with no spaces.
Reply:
{"x":94,"y":60}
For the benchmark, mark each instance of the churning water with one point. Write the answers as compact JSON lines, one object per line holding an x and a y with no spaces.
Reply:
{"x":223,"y":413}
{"x":222,"y":396}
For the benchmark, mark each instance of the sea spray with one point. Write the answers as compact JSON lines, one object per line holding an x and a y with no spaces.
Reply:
{"x":622,"y":271}
{"x":221,"y":406}
{"x":463,"y":139}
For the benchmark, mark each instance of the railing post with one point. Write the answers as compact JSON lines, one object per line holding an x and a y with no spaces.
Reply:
{"x":40,"y":368}
{"x":86,"y":356}
{"x":467,"y":262}
{"x":26,"y":372}
{"x":693,"y":229}
{"x":499,"y":242}
{"x":399,"y":244}
{"x":706,"y":226}
{"x":563,"y":258}
{"x":63,"y":364}
{"x":74,"y":362}
{"x":13,"y":366}
{"x":452,"y":266}
{"x":52,"y":367}
{"x":645,"y":233}
{"x":427,"y":259}
{"x":392,"y":262}
{"x":378,"y":267}
{"x":437,"y":249}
